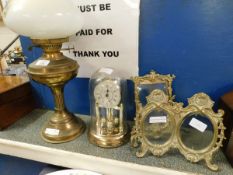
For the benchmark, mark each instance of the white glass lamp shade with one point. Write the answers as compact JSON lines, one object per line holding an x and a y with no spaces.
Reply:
{"x":43,"y":19}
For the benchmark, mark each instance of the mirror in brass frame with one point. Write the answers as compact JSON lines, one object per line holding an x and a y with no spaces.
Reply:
{"x":146,"y":84}
{"x":200,"y":131}
{"x":143,"y":86}
{"x":196,"y":130}
{"x":155,"y":131}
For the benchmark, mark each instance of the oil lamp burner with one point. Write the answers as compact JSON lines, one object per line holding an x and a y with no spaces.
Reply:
{"x":49,"y":24}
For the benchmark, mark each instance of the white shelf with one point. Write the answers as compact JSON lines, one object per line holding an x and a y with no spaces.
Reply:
{"x":79,"y":161}
{"x":23,"y":140}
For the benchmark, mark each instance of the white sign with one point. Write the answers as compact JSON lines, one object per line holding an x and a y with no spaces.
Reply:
{"x":42,"y":62}
{"x":106,"y":70}
{"x":109,"y":37}
{"x":197,"y":124}
{"x":158,"y":119}
{"x":51,"y":131}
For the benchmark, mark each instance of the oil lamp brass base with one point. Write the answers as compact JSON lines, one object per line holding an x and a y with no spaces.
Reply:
{"x":54,"y":70}
{"x":62,"y":127}
{"x":111,"y":141}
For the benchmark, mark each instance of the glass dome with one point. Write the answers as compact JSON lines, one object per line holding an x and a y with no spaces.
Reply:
{"x":108,"y":126}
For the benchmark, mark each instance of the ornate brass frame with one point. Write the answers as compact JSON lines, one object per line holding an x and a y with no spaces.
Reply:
{"x":157,"y":100}
{"x":202,"y":104}
{"x":198,"y":104}
{"x":152,"y":78}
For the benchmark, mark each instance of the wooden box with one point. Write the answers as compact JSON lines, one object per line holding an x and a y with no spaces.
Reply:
{"x":226,"y":103}
{"x":16,"y":99}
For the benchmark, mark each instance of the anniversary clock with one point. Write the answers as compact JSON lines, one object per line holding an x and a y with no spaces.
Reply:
{"x":108,"y":126}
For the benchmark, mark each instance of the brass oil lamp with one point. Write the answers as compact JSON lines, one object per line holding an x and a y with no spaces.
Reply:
{"x":48,"y":29}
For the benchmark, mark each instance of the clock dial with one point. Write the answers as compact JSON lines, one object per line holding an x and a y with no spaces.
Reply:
{"x":107,"y":94}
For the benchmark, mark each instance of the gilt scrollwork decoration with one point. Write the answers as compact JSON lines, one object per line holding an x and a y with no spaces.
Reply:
{"x":162,"y":124}
{"x":157,"y":124}
{"x":154,"y":79}
{"x":201,"y":104}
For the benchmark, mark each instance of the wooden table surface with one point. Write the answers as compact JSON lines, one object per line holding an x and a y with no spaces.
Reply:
{"x":9,"y":82}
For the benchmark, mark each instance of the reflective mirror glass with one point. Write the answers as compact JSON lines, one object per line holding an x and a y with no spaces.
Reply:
{"x":158,"y":127}
{"x":196,"y":131}
{"x":146,"y":89}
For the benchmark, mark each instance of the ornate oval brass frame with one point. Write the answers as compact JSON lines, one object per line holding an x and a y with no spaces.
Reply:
{"x":157,"y":100}
{"x":202,"y":104}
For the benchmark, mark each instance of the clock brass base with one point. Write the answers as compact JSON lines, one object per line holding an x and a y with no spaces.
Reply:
{"x":111,"y":141}
{"x":59,"y":131}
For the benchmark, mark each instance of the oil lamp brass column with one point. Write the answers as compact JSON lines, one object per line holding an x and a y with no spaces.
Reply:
{"x":54,"y":70}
